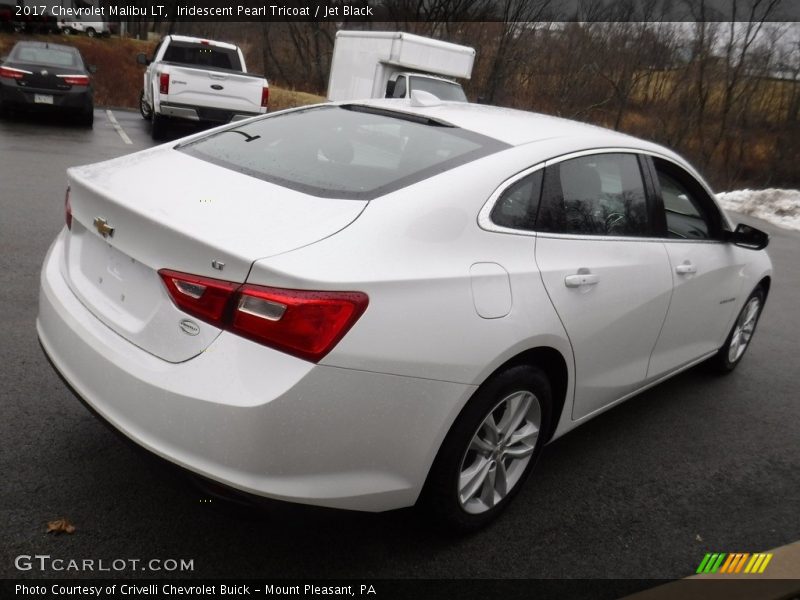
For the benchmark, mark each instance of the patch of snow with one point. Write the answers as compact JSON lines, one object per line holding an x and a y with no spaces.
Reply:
{"x":779,"y":207}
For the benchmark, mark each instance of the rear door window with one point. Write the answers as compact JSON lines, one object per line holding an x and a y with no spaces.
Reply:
{"x":599,"y":194}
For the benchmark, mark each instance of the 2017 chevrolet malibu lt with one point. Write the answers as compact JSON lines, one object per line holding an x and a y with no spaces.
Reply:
{"x":45,"y":77}
{"x":367,"y":305}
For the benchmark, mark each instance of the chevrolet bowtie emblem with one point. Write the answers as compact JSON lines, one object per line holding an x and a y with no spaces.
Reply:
{"x":103,"y":228}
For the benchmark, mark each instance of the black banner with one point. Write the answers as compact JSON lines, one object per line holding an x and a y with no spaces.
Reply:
{"x":381,"y":11}
{"x":382,"y":589}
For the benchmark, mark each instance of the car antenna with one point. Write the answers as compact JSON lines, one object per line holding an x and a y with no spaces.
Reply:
{"x":248,"y":137}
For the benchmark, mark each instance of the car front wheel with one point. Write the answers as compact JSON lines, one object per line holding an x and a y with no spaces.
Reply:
{"x":490,"y":450}
{"x":741,"y":333}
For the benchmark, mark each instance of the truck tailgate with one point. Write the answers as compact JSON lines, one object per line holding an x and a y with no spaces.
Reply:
{"x":227,"y":90}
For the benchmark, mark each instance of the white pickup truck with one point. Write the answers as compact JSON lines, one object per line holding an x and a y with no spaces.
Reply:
{"x":199,"y":80}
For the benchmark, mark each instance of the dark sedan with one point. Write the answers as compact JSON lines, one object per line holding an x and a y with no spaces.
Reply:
{"x":47,"y":77}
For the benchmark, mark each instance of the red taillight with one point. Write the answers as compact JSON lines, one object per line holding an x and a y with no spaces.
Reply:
{"x":299,"y":322}
{"x":10,"y":73}
{"x":67,"y":210}
{"x":75,"y":79}
{"x":306,"y":324}
{"x":265,"y":96}
{"x":202,"y":297}
{"x":163,"y":83}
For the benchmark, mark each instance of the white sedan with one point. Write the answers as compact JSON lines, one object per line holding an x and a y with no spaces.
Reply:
{"x":371,"y":305}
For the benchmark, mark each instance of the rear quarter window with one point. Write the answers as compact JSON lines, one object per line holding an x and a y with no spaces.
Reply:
{"x":342,"y":152}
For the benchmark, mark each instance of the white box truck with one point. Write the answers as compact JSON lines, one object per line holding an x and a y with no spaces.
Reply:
{"x":392,"y":64}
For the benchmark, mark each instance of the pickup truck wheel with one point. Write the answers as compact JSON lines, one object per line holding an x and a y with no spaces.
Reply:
{"x":144,"y":107}
{"x":90,"y":32}
{"x":159,"y":130}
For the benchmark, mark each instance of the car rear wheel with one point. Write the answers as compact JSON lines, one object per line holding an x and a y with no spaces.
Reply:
{"x":144,"y":107}
{"x":490,"y":450}
{"x":90,"y":32}
{"x":740,"y":335}
{"x":159,"y":130}
{"x":87,"y":118}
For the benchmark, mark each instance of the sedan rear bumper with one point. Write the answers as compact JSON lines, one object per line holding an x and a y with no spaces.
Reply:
{"x":17,"y":97}
{"x":253,"y":418}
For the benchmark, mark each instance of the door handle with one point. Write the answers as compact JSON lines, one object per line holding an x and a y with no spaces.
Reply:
{"x":573,"y":281}
{"x":686,"y":268}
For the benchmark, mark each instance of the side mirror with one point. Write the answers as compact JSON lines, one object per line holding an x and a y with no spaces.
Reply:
{"x":92,"y":69}
{"x":749,"y":237}
{"x":390,"y":89}
{"x":141,"y":58}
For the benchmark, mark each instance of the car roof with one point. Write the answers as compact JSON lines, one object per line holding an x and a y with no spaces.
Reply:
{"x":518,"y":127}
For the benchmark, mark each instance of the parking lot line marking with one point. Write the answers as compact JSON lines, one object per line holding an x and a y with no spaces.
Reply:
{"x":118,"y":127}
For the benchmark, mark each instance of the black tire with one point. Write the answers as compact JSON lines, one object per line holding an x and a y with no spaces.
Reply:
{"x":159,"y":129}
{"x":87,"y":118}
{"x":144,"y":108}
{"x":90,"y":32}
{"x":726,"y":359}
{"x":442,"y":498}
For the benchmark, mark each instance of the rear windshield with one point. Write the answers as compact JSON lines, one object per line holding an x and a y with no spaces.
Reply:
{"x":202,"y":55}
{"x":42,"y":55}
{"x":350,"y":152}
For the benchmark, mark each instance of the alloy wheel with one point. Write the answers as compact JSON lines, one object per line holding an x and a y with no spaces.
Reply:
{"x":743,"y":330}
{"x":499,"y":452}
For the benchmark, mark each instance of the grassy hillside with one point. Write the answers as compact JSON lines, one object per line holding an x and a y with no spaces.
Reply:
{"x":118,"y":80}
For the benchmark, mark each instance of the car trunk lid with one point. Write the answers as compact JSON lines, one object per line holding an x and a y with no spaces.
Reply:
{"x":163,"y":209}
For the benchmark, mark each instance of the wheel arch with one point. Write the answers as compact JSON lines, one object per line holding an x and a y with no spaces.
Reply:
{"x":765,"y":284}
{"x":553,"y":363}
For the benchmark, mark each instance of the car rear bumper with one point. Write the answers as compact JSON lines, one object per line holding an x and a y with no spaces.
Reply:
{"x":252,"y":418}
{"x":75,"y":100}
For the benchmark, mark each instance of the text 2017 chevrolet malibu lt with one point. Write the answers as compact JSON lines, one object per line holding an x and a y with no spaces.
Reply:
{"x":369,"y":305}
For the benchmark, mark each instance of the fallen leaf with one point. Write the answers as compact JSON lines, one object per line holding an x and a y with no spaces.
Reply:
{"x":60,"y":526}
